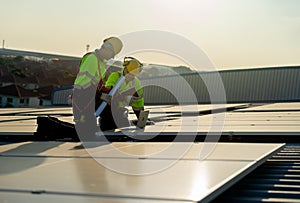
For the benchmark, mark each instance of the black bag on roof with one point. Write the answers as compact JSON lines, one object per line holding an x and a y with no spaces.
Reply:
{"x":52,"y":128}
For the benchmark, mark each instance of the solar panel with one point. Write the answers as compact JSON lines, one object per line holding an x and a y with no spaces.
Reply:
{"x":28,"y":197}
{"x":292,"y":106}
{"x":55,"y":168}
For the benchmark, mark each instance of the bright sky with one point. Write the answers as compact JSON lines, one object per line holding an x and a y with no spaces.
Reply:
{"x":233,"y":33}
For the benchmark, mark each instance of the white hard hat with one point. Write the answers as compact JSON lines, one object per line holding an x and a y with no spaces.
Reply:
{"x":115,"y":42}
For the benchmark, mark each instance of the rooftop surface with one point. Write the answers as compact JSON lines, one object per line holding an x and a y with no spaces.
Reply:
{"x":143,"y":170}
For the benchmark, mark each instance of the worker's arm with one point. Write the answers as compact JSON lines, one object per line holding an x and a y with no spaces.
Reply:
{"x":110,"y":83}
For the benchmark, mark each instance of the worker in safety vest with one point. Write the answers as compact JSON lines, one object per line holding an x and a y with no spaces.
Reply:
{"x":130,"y":93}
{"x":92,"y":69}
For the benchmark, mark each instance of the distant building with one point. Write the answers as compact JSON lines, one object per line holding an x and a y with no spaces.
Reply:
{"x":29,"y":83}
{"x":17,"y":96}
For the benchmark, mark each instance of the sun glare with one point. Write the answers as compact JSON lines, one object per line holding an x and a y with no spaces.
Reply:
{"x":160,"y":58}
{"x":189,"y":11}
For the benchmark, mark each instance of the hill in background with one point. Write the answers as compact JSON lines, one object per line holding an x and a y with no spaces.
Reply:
{"x":19,"y":70}
{"x":22,"y":70}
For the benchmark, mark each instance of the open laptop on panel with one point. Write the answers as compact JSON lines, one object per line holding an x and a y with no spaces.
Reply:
{"x":143,"y":119}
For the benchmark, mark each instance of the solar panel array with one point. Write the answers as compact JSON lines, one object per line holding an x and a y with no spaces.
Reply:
{"x":147,"y":171}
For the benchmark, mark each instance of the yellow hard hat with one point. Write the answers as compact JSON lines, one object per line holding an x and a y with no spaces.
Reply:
{"x":132,"y":65}
{"x":116,"y":44}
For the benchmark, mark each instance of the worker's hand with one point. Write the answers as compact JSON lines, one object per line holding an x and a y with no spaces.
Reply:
{"x":133,"y":99}
{"x":106,"y":97}
{"x":129,"y":92}
{"x":119,"y":97}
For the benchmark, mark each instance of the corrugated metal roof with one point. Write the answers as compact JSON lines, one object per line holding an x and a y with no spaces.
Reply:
{"x":251,"y":85}
{"x":277,"y":180}
{"x":279,"y":84}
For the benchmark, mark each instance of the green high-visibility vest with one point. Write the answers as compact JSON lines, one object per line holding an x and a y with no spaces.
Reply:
{"x":138,"y":104}
{"x":89,"y":71}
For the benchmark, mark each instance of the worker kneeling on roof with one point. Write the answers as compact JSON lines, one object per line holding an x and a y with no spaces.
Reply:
{"x":130,"y":93}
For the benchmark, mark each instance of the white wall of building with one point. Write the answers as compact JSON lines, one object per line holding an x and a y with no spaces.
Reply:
{"x":10,"y":101}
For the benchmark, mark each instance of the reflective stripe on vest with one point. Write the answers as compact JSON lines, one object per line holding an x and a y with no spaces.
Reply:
{"x":92,"y":78}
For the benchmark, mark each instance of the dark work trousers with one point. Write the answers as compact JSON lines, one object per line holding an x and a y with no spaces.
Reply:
{"x":83,"y":111}
{"x":111,"y":119}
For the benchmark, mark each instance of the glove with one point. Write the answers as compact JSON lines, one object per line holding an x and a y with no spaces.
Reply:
{"x":106,"y":97}
{"x":134,"y":99}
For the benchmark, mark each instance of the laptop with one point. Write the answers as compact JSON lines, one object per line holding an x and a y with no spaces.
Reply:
{"x":141,"y":123}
